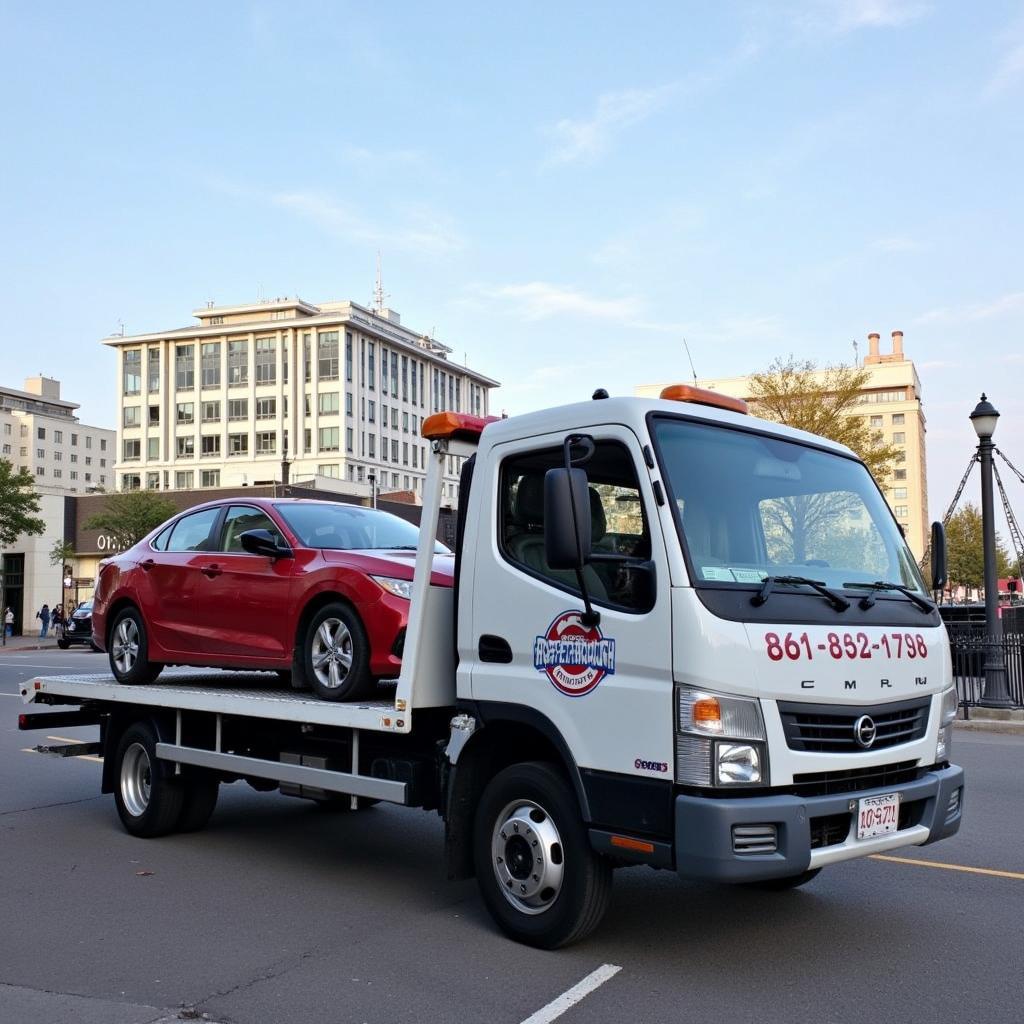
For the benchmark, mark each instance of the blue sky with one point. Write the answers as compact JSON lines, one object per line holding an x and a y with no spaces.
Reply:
{"x":562,"y":192}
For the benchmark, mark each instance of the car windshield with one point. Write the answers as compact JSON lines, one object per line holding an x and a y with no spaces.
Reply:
{"x":350,"y":527}
{"x":85,"y":606}
{"x":752,"y":506}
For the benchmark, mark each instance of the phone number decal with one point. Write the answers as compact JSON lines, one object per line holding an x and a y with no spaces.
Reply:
{"x":839,"y":646}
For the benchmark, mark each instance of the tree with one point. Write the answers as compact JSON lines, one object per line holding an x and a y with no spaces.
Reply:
{"x":130,"y":515}
{"x":825,"y":402}
{"x":19,"y":504}
{"x":966,"y":553}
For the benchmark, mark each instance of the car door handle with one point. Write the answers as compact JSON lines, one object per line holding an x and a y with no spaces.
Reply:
{"x":211,"y":570}
{"x":147,"y":564}
{"x":494,"y":649}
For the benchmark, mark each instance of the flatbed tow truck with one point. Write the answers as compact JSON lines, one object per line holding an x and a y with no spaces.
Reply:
{"x":678,"y":636}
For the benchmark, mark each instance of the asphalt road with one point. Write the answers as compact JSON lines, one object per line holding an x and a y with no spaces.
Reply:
{"x":280,"y":912}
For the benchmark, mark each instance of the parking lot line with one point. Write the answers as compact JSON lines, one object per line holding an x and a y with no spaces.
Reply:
{"x":950,"y":867}
{"x":568,"y":999}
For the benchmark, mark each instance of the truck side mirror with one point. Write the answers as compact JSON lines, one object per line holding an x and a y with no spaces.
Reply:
{"x":567,"y":539}
{"x":938,"y":556}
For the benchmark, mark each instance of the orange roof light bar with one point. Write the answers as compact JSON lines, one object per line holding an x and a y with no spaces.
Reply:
{"x":446,"y":426}
{"x":701,"y":396}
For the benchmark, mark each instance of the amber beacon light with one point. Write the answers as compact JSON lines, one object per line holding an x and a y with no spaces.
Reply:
{"x":701,"y":396}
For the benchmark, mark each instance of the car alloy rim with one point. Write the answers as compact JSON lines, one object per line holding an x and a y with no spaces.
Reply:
{"x":332,"y":653}
{"x":526,"y":853}
{"x":136,"y":780}
{"x":126,"y":645}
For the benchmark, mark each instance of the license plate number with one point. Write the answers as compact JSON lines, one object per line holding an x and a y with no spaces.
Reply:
{"x":877,"y":815}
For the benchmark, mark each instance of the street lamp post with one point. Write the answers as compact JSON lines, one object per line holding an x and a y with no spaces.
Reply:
{"x":996,"y":694}
{"x":372,"y":479}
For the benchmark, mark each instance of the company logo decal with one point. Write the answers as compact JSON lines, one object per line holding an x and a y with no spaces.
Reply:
{"x":650,"y":766}
{"x":865,"y":731}
{"x":573,"y":656}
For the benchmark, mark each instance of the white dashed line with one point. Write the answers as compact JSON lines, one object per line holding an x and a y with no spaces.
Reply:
{"x":567,"y":1000}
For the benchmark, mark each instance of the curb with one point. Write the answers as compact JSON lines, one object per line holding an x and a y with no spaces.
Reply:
{"x":16,"y":648}
{"x":987,"y":725}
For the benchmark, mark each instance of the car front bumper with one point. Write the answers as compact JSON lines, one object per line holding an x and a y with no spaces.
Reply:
{"x":705,"y":844}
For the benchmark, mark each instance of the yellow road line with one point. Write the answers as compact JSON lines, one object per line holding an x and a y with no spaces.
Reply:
{"x":77,"y":757}
{"x":950,"y":867}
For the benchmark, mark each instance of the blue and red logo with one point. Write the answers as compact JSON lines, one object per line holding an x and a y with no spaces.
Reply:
{"x":573,"y":656}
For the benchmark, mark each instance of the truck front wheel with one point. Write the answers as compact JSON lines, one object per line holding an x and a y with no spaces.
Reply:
{"x":537,"y":873}
{"x":148,"y":803}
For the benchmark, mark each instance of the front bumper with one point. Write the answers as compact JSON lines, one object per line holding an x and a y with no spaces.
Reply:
{"x":704,"y":828}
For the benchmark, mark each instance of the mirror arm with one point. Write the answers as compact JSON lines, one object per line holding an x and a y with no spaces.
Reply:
{"x":589,"y":618}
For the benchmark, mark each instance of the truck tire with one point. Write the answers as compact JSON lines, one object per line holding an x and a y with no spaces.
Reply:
{"x":784,"y":884}
{"x":538,"y":876}
{"x":128,"y":650}
{"x":198,"y":801}
{"x":148,"y":803}
{"x":336,"y":654}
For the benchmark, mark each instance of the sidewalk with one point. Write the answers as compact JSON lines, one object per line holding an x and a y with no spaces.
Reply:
{"x":29,"y":643}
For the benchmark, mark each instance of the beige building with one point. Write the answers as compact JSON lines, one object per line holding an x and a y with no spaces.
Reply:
{"x":338,"y":389}
{"x":891,"y":402}
{"x":40,"y":432}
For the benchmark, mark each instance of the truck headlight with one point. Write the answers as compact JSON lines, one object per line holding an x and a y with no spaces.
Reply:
{"x":950,"y":705}
{"x":400,"y":588}
{"x":707,"y":749}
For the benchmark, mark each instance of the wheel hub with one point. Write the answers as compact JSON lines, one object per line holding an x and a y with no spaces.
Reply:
{"x":527,"y":856}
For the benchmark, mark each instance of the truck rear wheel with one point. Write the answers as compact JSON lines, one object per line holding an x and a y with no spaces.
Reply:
{"x":148,"y":803}
{"x":537,"y":873}
{"x":198,"y":801}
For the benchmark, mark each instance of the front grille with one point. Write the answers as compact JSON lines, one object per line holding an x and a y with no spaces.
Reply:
{"x":829,"y":728}
{"x":754,"y":839}
{"x":830,"y":830}
{"x":850,"y":781}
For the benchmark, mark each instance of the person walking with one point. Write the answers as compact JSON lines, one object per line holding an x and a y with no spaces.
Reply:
{"x":43,"y":615}
{"x":9,"y":621}
{"x":58,"y":619}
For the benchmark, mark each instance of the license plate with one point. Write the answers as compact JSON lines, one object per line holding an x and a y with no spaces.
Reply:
{"x":877,"y":815}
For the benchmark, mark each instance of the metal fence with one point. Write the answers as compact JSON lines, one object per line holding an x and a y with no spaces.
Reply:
{"x":969,"y":650}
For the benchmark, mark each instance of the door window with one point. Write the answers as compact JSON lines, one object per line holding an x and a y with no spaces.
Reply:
{"x":620,"y":534}
{"x":241,"y":518}
{"x":192,"y":532}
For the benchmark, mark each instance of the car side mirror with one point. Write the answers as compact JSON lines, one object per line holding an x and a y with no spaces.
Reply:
{"x":262,"y":542}
{"x":567,"y":537}
{"x":938,"y":556}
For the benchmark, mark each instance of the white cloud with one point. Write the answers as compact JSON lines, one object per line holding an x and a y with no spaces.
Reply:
{"x":841,"y":16}
{"x":539,"y":300}
{"x":1004,"y":304}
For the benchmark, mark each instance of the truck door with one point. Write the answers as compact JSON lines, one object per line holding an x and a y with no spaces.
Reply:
{"x":605,"y":689}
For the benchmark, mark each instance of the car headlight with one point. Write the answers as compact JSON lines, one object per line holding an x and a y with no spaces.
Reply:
{"x":707,"y":751}
{"x":400,"y":588}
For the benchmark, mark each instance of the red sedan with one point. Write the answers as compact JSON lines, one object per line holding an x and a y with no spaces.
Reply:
{"x":316,"y":589}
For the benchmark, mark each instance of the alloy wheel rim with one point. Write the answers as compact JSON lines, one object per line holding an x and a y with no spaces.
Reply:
{"x":126,"y":645}
{"x":332,"y":653}
{"x":527,"y":857}
{"x":136,"y":779}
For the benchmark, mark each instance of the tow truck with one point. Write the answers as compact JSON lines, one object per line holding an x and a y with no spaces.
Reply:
{"x":679,"y":636}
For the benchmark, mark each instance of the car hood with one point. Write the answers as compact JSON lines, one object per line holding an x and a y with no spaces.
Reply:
{"x":396,"y":563}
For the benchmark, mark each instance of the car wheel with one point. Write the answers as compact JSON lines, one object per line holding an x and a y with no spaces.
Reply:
{"x":129,"y":650}
{"x":148,"y":803}
{"x":199,"y":800}
{"x":336,"y":654}
{"x":63,"y":644}
{"x":784,"y":884}
{"x":538,"y":875}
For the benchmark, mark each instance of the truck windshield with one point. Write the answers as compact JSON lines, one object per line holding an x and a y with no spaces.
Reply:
{"x":751,"y":506}
{"x":350,"y":527}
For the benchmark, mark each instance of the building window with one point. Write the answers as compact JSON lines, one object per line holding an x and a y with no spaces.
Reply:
{"x":210,"y":446}
{"x":307,"y":358}
{"x":238,"y":444}
{"x":153,"y":370}
{"x":329,"y":439}
{"x":394,"y":374}
{"x":899,"y":493}
{"x":129,"y":481}
{"x":185,"y":447}
{"x":152,"y":449}
{"x":7,"y":449}
{"x":152,"y":481}
{"x":266,"y":442}
{"x":215,"y":320}
{"x":327,"y":403}
{"x":238,"y":408}
{"x":898,"y":419}
{"x":899,"y":474}
{"x":405,"y":453}
{"x":394,"y":417}
{"x":266,"y":408}
{"x":899,"y":437}
{"x":238,"y":363}
{"x":210,"y":364}
{"x":154,"y":416}
{"x":185,"y":367}
{"x":40,"y":471}
{"x":183,"y":479}
{"x":40,"y":453}
{"x":284,"y":362}
{"x":185,"y":412}
{"x":371,"y":411}
{"x":266,"y":361}
{"x":371,"y":366}
{"x":211,"y":412}
{"x":103,"y":444}
{"x":348,"y":403}
{"x":209,"y":478}
{"x":394,"y":451}
{"x":901,"y":511}
{"x":371,"y":449}
{"x":327,"y":355}
{"x":875,"y":421}
{"x":405,"y":423}
{"x":131,"y":416}
{"x":384,"y":370}
{"x":88,"y":458}
{"x":307,"y":440}
{"x":58,"y":437}
{"x":132,"y":371}
{"x":328,"y":469}
{"x":131,"y":449}
{"x":348,"y":356}
{"x":348,"y":439}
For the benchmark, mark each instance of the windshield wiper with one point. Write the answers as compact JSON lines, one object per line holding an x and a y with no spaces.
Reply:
{"x":868,"y":600}
{"x":769,"y":583}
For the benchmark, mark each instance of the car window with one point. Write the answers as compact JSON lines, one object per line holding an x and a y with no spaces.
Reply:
{"x":192,"y":532}
{"x":160,"y":540}
{"x":241,"y":518}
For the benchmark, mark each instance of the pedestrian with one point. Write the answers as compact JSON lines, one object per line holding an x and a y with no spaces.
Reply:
{"x":43,"y":615}
{"x":9,"y":621}
{"x":58,"y":619}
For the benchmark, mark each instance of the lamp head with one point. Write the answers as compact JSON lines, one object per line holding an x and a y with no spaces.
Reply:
{"x":984,"y":419}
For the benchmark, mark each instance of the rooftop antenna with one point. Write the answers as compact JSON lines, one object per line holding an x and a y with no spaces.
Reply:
{"x":378,"y":291}
{"x":688,"y":356}
{"x":856,"y":353}
{"x":120,"y":328}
